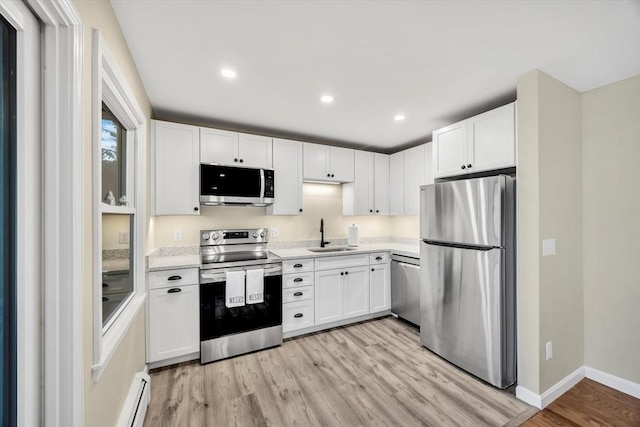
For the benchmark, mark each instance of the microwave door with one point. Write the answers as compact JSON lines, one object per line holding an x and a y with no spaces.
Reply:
{"x":224,"y":181}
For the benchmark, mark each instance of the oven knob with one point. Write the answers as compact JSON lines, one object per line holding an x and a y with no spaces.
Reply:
{"x":214,"y":235}
{"x":262,"y":234}
{"x":255,"y":235}
{"x":205,"y":236}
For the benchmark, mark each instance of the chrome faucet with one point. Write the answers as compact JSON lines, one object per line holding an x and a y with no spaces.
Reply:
{"x":322,"y":242}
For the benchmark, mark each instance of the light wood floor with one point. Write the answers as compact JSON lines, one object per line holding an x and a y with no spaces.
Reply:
{"x":589,"y":403}
{"x":372,"y":373}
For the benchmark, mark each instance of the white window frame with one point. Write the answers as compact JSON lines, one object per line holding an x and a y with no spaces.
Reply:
{"x":109,"y":86}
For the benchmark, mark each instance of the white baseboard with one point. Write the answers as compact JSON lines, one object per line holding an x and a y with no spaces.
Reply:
{"x":565,"y":384}
{"x":529,"y":397}
{"x":562,"y":386}
{"x":620,"y":384}
{"x":135,"y":406}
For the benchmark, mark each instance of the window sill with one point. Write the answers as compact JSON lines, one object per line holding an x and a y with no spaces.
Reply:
{"x":114,"y":336}
{"x":117,"y":209}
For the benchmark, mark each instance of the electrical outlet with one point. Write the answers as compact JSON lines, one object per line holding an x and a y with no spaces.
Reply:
{"x":123,"y":237}
{"x":274,"y":232}
{"x":177,"y":235}
{"x":548,"y":247}
{"x":548,"y":350}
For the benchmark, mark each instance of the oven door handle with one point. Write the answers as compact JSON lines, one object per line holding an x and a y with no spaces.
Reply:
{"x":220,"y":276}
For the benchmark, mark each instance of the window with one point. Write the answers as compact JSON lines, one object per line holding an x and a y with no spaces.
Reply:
{"x":118,"y":192}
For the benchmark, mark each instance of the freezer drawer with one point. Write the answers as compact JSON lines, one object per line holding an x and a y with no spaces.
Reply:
{"x":405,"y":289}
{"x":467,"y":311}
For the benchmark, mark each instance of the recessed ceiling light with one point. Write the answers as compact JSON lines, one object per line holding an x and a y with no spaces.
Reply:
{"x":399,"y":117}
{"x":327,"y":99}
{"x":228,"y":73}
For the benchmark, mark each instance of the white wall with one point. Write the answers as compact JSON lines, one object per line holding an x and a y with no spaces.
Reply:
{"x":611,"y":206}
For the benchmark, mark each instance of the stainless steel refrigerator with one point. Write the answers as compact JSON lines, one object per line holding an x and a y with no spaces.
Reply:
{"x":467,"y":281}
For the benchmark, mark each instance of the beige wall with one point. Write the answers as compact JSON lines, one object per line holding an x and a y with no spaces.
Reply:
{"x":319,"y":201}
{"x":528,"y":233}
{"x":550,"y":206}
{"x":611,"y":201}
{"x":560,"y":217}
{"x":104,"y":399}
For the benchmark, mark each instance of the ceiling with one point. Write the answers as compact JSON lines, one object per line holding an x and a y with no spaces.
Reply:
{"x":436,"y":62}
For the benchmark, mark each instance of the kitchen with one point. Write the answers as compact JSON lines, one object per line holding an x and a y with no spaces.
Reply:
{"x":555,"y":147}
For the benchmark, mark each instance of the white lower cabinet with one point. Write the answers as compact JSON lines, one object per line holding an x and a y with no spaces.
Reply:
{"x":297,"y":315}
{"x":380,"y":291}
{"x":174,"y":323}
{"x":355,"y":292}
{"x":328,"y":296}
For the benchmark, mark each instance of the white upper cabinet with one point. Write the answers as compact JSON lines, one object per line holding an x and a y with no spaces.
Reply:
{"x":381,"y":184}
{"x":175,"y":169}
{"x":478,"y":144}
{"x":287,"y":163}
{"x":396,"y":183}
{"x":368,"y":194}
{"x":408,"y":170}
{"x":414,"y":177}
{"x":234,"y":149}
{"x":326,"y":163}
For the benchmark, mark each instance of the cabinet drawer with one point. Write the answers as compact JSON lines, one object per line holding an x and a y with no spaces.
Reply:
{"x":173,"y":278}
{"x":297,"y":265}
{"x":379,"y":258}
{"x":297,"y":315}
{"x":297,"y":294}
{"x":293,"y":280}
{"x":341,"y":261}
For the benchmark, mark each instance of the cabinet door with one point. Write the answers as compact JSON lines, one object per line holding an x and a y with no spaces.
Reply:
{"x":175,"y":175}
{"x":328,"y":296}
{"x":380,"y":288}
{"x":357,"y":196}
{"x":287,"y":163}
{"x":341,"y":164}
{"x":255,"y":151}
{"x":381,"y":184}
{"x":219,"y":146}
{"x":492,"y":140}
{"x":316,"y":162}
{"x":396,"y":183}
{"x":174,"y":324}
{"x":414,"y":177}
{"x":356,"y":291}
{"x":450,"y":150}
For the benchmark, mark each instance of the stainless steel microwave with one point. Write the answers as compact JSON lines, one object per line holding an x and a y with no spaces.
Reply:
{"x":234,"y":186}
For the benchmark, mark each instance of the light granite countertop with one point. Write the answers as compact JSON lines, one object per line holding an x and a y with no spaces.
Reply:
{"x":187,"y":257}
{"x":397,"y":248}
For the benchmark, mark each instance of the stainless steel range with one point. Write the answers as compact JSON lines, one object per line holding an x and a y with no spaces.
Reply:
{"x":240,"y":293}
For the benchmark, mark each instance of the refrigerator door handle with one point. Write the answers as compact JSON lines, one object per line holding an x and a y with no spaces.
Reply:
{"x":460,"y":245}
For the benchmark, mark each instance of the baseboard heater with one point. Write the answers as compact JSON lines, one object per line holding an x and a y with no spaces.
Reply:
{"x":135,"y":407}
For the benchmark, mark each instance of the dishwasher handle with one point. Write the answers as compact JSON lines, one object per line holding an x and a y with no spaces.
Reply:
{"x":405,"y":259}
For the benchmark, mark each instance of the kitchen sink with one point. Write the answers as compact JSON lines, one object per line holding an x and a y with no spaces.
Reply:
{"x":333,"y":249}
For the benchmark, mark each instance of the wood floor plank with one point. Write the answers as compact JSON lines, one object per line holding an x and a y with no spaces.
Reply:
{"x":368,"y":374}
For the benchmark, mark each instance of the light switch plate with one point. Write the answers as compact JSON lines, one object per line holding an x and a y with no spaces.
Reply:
{"x":548,"y":350}
{"x":177,"y":235}
{"x":548,"y":247}
{"x":274,"y":232}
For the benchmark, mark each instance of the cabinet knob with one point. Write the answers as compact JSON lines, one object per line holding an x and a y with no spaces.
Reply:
{"x":463,"y":167}
{"x":372,"y":269}
{"x":342,"y":273}
{"x":328,"y":175}
{"x":346,"y":273}
{"x":241,"y":160}
{"x":235,"y":160}
{"x":174,"y":290}
{"x":377,"y":211}
{"x":370,"y":210}
{"x":469,"y":165}
{"x":332,"y":175}
{"x":195,"y":209}
{"x":297,"y":294}
{"x":298,"y":315}
{"x":300,"y":209}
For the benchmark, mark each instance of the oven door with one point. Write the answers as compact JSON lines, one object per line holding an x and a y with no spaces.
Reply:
{"x":217,"y":320}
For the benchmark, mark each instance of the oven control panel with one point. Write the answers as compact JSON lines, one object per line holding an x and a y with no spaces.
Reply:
{"x":233,"y":237}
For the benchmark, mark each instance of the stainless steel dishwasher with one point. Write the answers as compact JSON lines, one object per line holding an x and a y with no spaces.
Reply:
{"x":405,"y":288}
